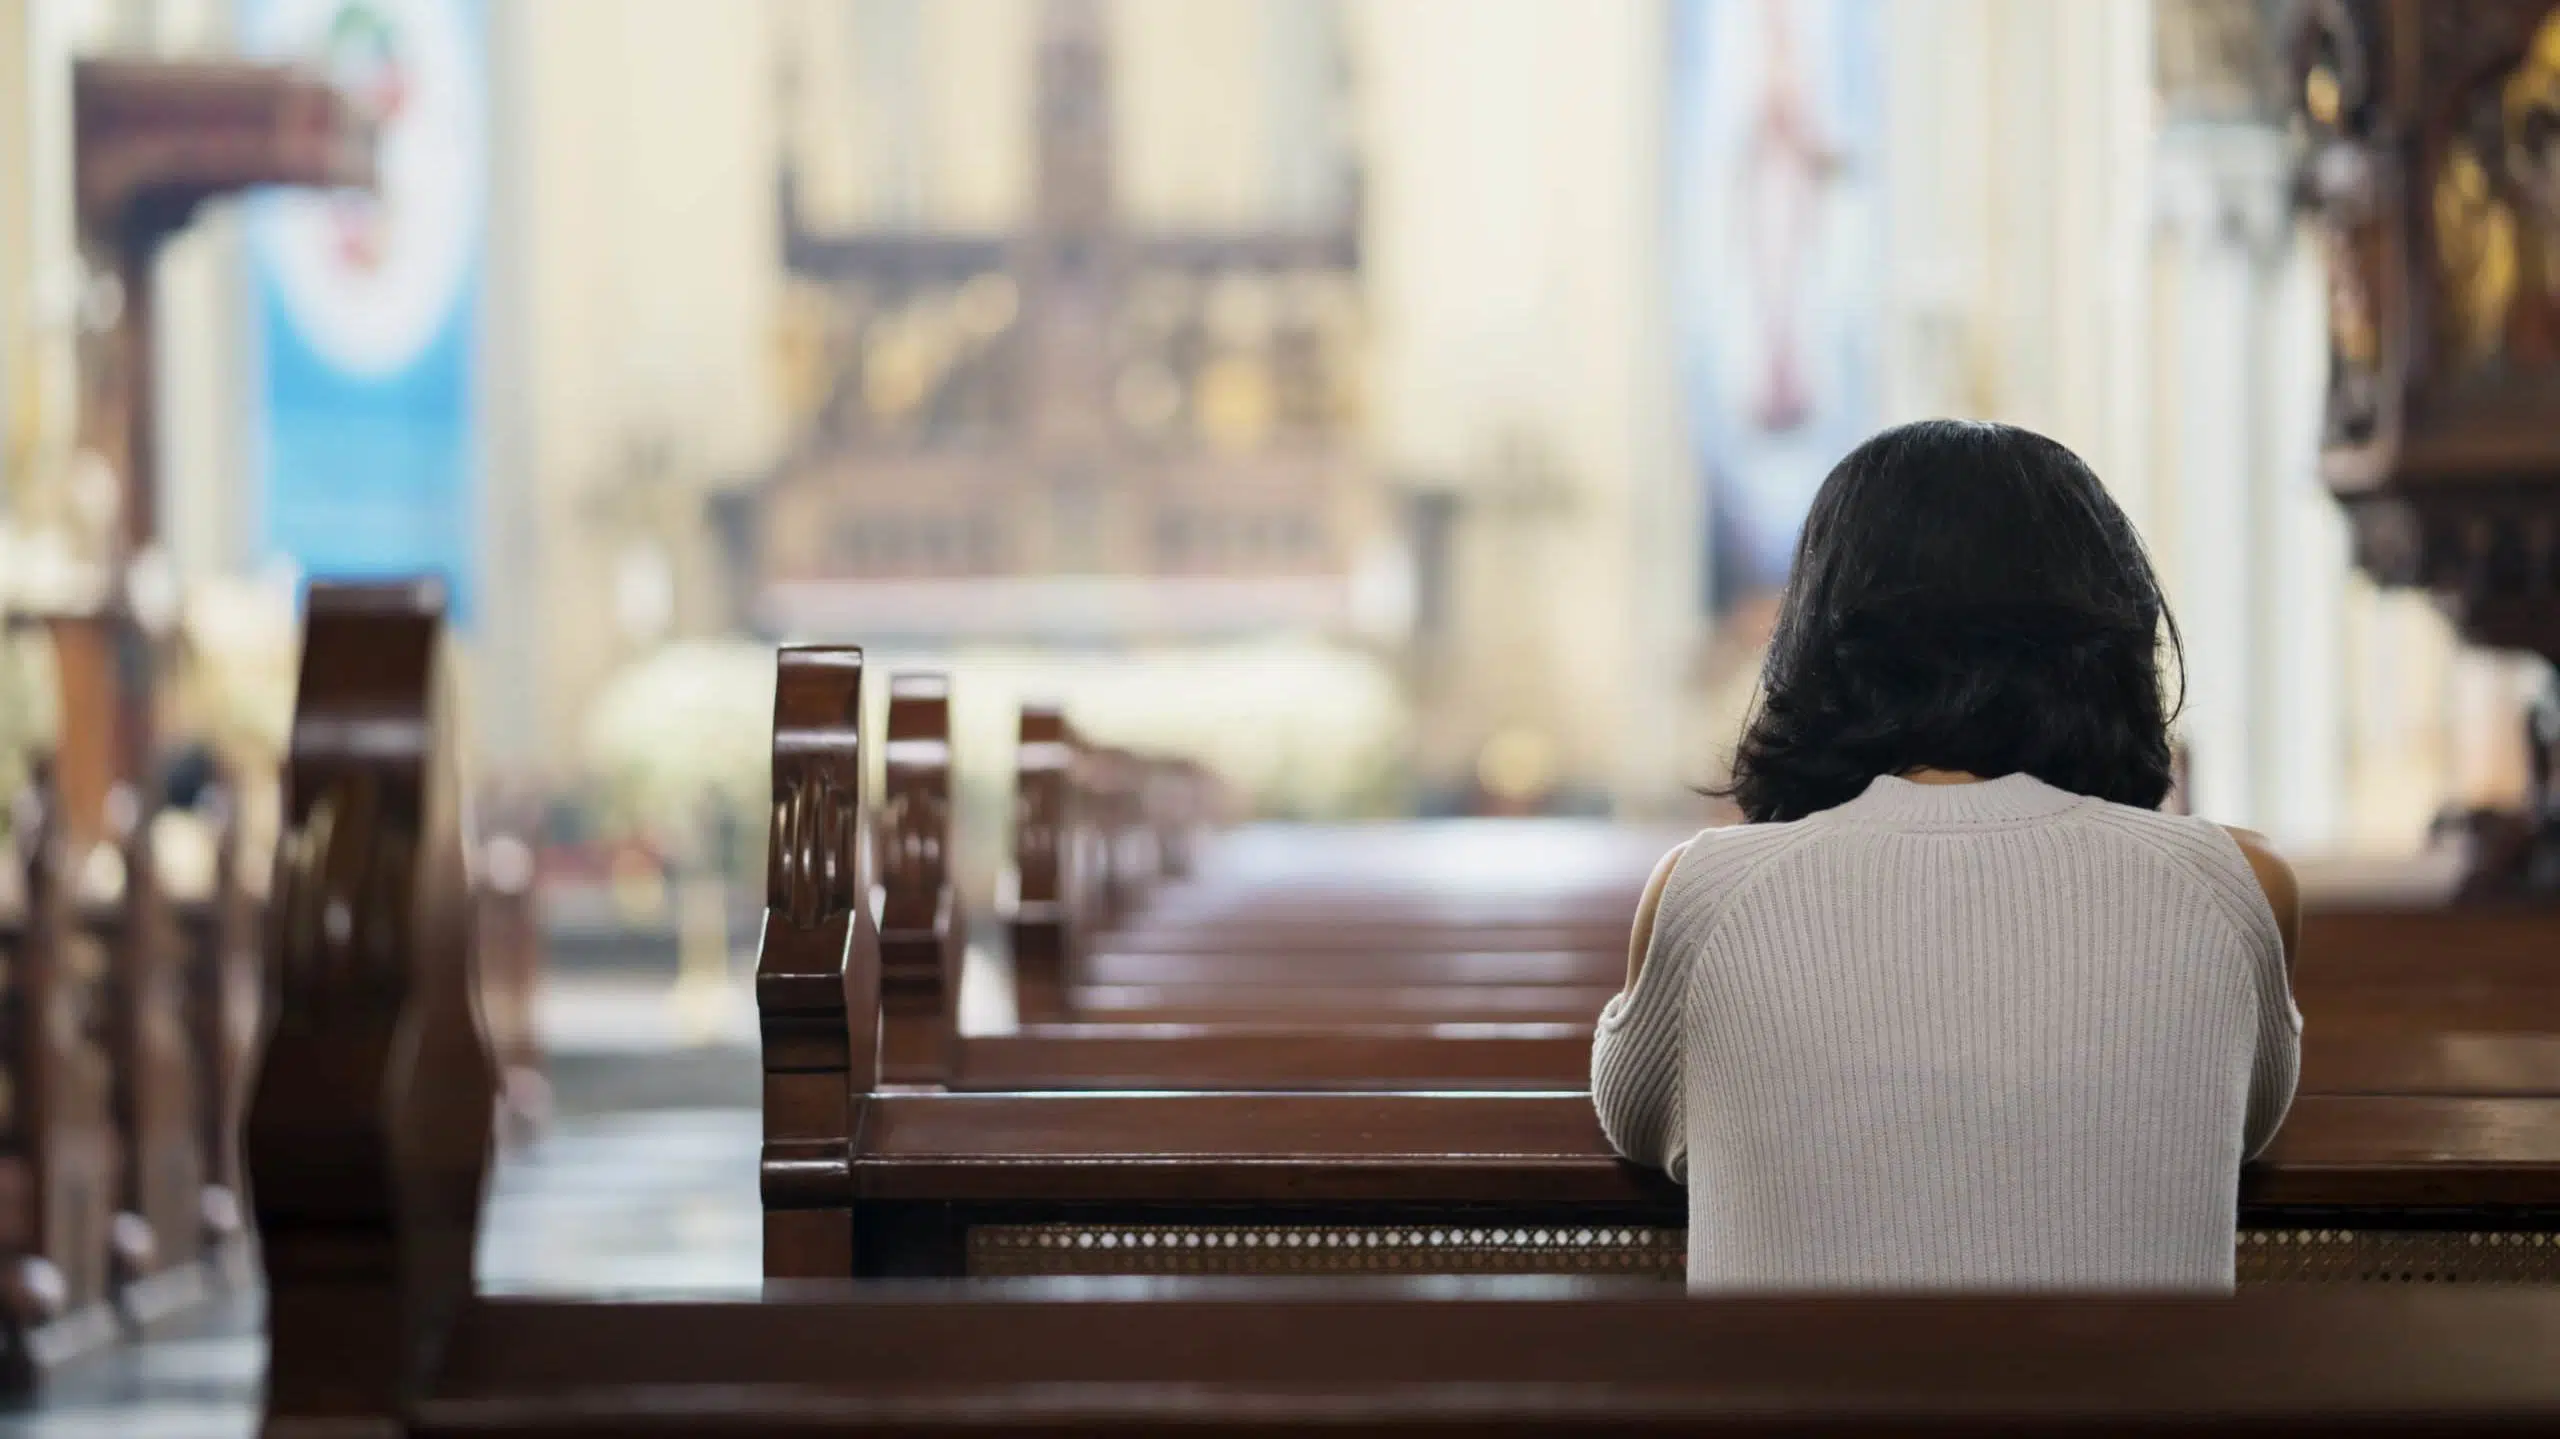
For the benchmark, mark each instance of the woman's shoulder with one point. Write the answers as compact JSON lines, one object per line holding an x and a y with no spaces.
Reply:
{"x":1718,"y":862}
{"x":2239,"y":868}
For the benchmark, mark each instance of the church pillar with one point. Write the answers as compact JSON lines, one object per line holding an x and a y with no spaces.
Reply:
{"x":39,"y":263}
{"x":2252,"y":553}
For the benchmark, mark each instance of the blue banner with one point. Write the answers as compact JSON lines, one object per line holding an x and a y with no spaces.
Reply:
{"x":365,"y":428}
{"x":1776,"y":148}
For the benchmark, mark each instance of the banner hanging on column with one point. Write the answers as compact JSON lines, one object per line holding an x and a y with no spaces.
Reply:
{"x":1776,"y":148}
{"x":366,"y":308}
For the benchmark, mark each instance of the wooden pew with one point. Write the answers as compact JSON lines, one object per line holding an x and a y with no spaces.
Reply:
{"x":510,"y":970}
{"x":366,"y":1222}
{"x":58,"y":1149}
{"x":159,"y":1234}
{"x":368,"y":1153}
{"x":220,"y":927}
{"x":864,"y":1179}
{"x":1501,"y":1358}
{"x":2446,"y":1000}
{"x":1329,"y":945}
{"x":921,"y":940}
{"x":165,"y":1240}
{"x":2399,"y":1002}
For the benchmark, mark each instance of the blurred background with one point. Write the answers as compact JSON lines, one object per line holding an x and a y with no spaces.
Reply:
{"x":1405,"y":405}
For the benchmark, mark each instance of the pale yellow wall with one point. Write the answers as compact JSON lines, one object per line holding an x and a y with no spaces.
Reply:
{"x":39,"y":263}
{"x":637,"y":263}
{"x":911,"y":113}
{"x":17,"y":389}
{"x":1512,"y":150}
{"x":2018,"y":145}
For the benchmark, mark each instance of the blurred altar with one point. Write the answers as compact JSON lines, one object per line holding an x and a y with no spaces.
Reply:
{"x":1406,"y":405}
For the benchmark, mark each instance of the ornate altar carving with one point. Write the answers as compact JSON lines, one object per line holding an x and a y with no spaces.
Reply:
{"x":1075,"y":426}
{"x":2430,"y":169}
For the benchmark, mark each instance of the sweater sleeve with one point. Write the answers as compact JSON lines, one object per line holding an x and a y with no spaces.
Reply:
{"x":2277,"y":1066}
{"x":1637,"y":1070}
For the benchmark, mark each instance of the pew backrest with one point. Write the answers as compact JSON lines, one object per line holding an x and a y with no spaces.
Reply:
{"x":922,"y":919}
{"x":369,"y":1128}
{"x":818,"y":966}
{"x":57,"y":1138}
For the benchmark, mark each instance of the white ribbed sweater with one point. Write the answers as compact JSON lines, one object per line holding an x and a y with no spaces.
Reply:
{"x":1956,"y":1036}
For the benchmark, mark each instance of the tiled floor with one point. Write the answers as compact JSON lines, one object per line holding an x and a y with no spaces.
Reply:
{"x":636,"y":1187}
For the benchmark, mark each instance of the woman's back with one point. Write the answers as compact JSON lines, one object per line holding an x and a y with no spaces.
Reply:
{"x":1965,"y":1035}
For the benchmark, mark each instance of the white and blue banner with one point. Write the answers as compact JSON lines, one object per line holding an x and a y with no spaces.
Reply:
{"x":365,"y":429}
{"x":1777,"y":253}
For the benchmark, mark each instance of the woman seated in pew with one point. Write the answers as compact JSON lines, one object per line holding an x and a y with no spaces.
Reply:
{"x":1959,"y":1007}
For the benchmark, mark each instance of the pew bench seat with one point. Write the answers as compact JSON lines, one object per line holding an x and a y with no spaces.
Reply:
{"x":996,"y":1184}
{"x":1274,"y":1057}
{"x":1511,"y":1356}
{"x":1269,"y":1003}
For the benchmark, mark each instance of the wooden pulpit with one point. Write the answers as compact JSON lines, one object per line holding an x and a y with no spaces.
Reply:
{"x":153,"y":140}
{"x":2430,"y":167}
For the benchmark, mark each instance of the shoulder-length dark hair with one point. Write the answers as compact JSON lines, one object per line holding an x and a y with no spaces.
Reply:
{"x":1965,"y":597}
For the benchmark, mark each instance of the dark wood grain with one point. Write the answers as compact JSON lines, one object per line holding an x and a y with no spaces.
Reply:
{"x":222,"y":928}
{"x":2346,"y":1061}
{"x":1504,"y":1358}
{"x":1092,"y":1055}
{"x":2388,"y":1150}
{"x":159,"y":1226}
{"x":58,"y":1147}
{"x":1266,"y":1003}
{"x":923,"y":921}
{"x":817,"y":967}
{"x":370,"y":1126}
{"x":1386,"y":964}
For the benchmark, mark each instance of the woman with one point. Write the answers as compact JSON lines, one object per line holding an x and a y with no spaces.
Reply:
{"x":1959,"y":1008}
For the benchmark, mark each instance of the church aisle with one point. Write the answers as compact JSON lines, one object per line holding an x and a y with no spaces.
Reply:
{"x":641,"y":1201}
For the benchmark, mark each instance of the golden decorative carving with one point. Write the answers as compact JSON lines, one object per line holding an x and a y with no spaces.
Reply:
{"x":2476,"y":249}
{"x":2346,"y":182}
{"x":2529,"y":112}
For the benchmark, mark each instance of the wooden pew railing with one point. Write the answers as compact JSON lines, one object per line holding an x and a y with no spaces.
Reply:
{"x":510,"y":971}
{"x":159,"y":1225}
{"x":923,"y":923}
{"x":921,"y":944}
{"x":372,"y":1129}
{"x":1225,"y":950}
{"x":160,"y":955}
{"x":58,"y":1148}
{"x":221,"y":924}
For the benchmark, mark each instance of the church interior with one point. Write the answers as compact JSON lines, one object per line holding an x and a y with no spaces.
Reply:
{"x":683,"y":679}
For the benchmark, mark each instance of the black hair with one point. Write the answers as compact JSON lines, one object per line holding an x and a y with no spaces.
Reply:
{"x":1964,"y":597}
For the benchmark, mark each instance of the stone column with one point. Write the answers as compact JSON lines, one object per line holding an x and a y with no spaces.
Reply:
{"x":40,"y":289}
{"x":2251,"y":548}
